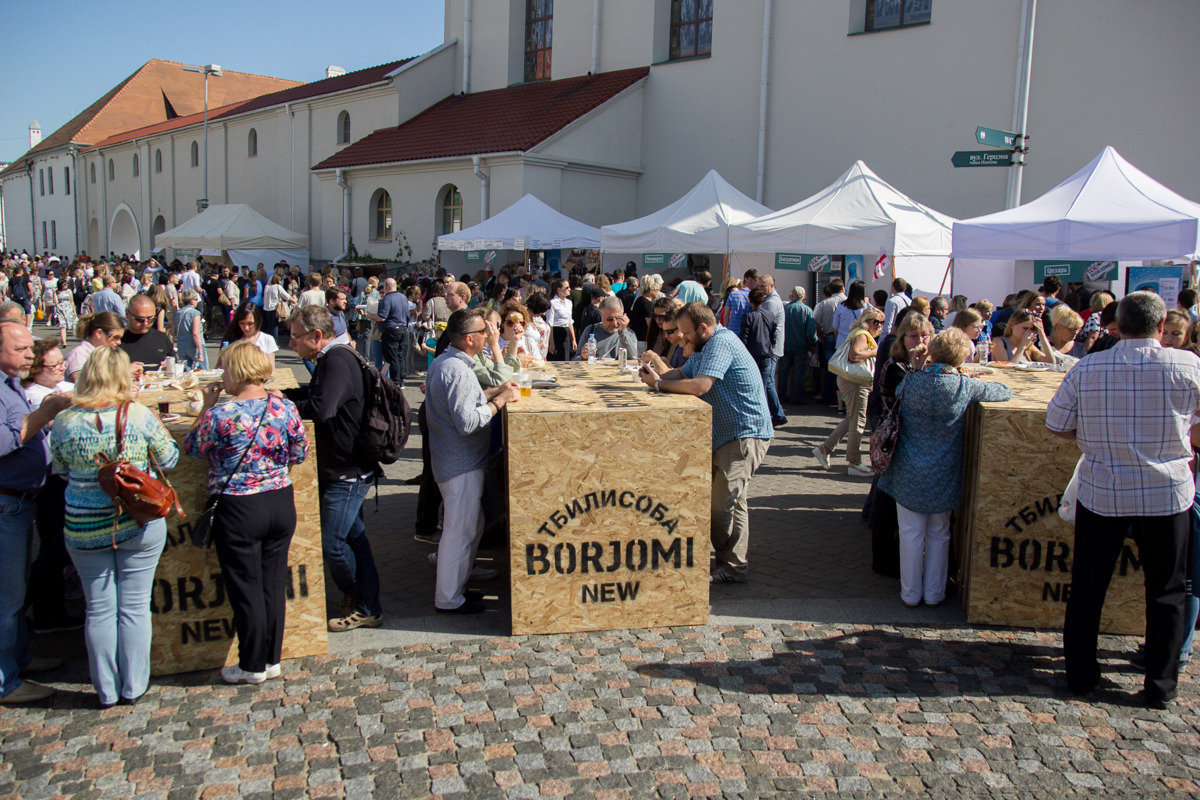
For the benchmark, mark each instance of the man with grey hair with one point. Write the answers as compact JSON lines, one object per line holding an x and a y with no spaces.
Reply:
{"x":611,"y":332}
{"x":13,"y":311}
{"x":799,"y":340}
{"x":1130,"y":410}
{"x":939,"y":307}
{"x":772,"y":306}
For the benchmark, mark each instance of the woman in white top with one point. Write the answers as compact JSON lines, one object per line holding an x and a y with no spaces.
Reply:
{"x":562,"y":324}
{"x":247,"y":324}
{"x":846,"y":315}
{"x":517,"y":336}
{"x":46,"y":372}
{"x":273,"y":295}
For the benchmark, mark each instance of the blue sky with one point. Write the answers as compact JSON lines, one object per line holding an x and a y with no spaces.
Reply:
{"x":59,"y":57}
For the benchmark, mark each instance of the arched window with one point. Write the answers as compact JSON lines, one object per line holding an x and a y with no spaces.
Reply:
{"x":343,"y":128}
{"x":158,"y":160}
{"x":195,"y":154}
{"x":160,"y":225}
{"x":381,"y":204}
{"x":112,"y":170}
{"x":92,"y":172}
{"x":451,"y":210}
{"x":252,"y":144}
{"x":136,"y":167}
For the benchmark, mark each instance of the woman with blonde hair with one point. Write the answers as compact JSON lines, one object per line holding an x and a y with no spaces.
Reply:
{"x":161,"y":306}
{"x":957,"y":303}
{"x":1060,"y":342}
{"x":1017,"y":345}
{"x":251,"y":442}
{"x":114,"y":555}
{"x":94,"y":330}
{"x":863,"y":349}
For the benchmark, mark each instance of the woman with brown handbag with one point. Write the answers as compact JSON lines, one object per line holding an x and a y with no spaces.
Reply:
{"x":114,"y":555}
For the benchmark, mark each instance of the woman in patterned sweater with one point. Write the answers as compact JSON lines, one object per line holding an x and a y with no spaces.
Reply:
{"x":114,"y":556}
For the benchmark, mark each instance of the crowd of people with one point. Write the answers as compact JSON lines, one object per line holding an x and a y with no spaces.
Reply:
{"x":741,"y":348}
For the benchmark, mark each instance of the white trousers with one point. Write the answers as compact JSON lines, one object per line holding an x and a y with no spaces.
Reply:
{"x":462,"y":528}
{"x":924,"y":555}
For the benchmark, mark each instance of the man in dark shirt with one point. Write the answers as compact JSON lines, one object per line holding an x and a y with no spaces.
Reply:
{"x":335,"y":304}
{"x":144,"y":343}
{"x":212,"y":295}
{"x":627,"y":296}
{"x":334,"y":399}
{"x":24,"y":459}
{"x":394,"y":314}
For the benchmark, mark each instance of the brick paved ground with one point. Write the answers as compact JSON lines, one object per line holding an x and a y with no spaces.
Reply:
{"x":872,"y":699}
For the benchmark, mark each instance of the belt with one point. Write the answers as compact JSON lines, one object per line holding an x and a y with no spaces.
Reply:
{"x":17,"y":494}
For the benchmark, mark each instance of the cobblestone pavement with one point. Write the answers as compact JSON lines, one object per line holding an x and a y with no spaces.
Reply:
{"x":825,"y":684}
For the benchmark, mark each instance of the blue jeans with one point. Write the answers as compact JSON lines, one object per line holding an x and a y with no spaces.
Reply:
{"x":790,"y":371}
{"x":117,"y":586}
{"x":16,"y":532}
{"x":344,"y":542}
{"x":766,"y":366}
{"x":377,"y":353}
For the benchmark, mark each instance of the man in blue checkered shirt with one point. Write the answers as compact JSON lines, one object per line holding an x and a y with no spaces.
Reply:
{"x":722,"y":374}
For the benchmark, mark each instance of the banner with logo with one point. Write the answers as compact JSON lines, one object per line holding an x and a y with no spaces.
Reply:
{"x":802,"y":261}
{"x":1166,"y":282}
{"x":1075,"y":271}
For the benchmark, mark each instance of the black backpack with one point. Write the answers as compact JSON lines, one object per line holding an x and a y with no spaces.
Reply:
{"x":386,"y":415}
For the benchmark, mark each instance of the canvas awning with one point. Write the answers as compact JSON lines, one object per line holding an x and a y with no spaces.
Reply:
{"x":528,"y":224}
{"x":235,"y":226}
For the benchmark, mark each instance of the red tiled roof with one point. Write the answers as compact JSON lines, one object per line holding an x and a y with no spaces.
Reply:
{"x":143,"y":98}
{"x":340,"y":83}
{"x":502,"y":120}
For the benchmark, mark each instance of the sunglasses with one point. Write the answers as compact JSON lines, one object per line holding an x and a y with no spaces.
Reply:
{"x":669,"y":331}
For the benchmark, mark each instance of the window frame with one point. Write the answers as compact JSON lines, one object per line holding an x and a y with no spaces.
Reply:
{"x":92,"y":172}
{"x":158,"y":160}
{"x":137,"y":166}
{"x":41,"y":182}
{"x":195,"y":154}
{"x":112,"y":170}
{"x":869,"y":21}
{"x":53,"y":235}
{"x":344,"y":127}
{"x":377,"y":210}
{"x":252,"y":143}
{"x":677,"y":25}
{"x":448,"y":206}
{"x":67,"y":180}
{"x":531,"y":70}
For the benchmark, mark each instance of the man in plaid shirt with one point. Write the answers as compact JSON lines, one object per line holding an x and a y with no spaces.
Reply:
{"x":1130,"y":409}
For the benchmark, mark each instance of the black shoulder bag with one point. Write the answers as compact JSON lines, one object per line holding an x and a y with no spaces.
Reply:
{"x":202,"y":532}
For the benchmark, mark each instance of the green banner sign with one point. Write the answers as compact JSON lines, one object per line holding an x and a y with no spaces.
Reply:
{"x":995,"y":138}
{"x":664,"y":260}
{"x":487,"y":257}
{"x":802,"y":261}
{"x":1075,"y":271}
{"x":982,"y":158}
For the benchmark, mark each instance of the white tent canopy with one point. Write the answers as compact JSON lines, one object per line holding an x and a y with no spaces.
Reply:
{"x":231,"y":227}
{"x":528,"y":224}
{"x":698,"y":222}
{"x":857,"y":213}
{"x":1109,"y":210}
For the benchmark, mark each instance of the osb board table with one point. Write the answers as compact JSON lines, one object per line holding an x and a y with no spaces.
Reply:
{"x":1014,"y":550}
{"x":189,"y":605}
{"x":608,"y":490}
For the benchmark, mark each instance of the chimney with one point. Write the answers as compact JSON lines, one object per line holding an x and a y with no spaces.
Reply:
{"x":35,"y":133}
{"x":332,"y":71}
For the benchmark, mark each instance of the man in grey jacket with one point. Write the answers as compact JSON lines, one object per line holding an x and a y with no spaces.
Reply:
{"x":611,"y":332}
{"x":773,"y":307}
{"x":459,"y":413}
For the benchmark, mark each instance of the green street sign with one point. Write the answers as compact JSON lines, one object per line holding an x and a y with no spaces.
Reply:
{"x":789,"y":261}
{"x":1075,"y":271}
{"x":996,"y":138}
{"x":982,"y":158}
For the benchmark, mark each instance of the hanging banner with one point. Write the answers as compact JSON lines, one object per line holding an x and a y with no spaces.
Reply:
{"x":1166,"y":282}
{"x":801,"y":261}
{"x":1075,"y":271}
{"x":854,"y":269}
{"x":481,"y":257}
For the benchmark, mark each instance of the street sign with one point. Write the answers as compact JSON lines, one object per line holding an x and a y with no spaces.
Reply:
{"x":995,"y":138}
{"x":982,"y":158}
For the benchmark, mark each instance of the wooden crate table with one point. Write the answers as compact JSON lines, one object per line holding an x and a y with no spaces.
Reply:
{"x":1014,"y":551}
{"x":608,"y":490}
{"x":193,"y":621}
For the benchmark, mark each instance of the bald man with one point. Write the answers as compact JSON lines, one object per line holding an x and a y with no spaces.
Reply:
{"x":145,"y":343}
{"x":395,"y":315}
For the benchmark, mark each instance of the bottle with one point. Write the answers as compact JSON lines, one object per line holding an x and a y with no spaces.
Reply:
{"x":983,"y":349}
{"x":591,"y":349}
{"x":623,"y":358}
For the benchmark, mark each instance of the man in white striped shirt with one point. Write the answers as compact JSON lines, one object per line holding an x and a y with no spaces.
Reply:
{"x":1130,"y":409}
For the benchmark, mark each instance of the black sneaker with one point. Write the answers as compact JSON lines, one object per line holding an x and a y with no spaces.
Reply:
{"x":429,"y":538}
{"x":66,"y":622}
{"x":468,"y":607}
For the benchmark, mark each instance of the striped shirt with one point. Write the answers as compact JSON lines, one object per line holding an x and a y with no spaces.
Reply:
{"x":737,"y":397}
{"x":1131,"y":409}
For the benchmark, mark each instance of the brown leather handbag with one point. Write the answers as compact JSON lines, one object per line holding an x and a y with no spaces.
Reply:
{"x":145,"y":497}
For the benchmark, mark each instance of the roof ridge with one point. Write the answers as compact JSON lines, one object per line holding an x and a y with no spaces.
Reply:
{"x":121,"y":87}
{"x":231,"y":71}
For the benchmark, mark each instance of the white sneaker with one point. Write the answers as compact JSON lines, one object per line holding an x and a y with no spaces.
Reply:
{"x":273,"y":671}
{"x":822,"y":457}
{"x":236,"y":674}
{"x":860,"y":470}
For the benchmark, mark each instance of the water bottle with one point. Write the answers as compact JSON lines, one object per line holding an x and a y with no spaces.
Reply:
{"x":983,"y":349}
{"x":591,"y":349}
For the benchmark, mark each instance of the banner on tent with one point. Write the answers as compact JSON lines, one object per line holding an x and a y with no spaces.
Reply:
{"x":1166,"y":282}
{"x":481,"y":257}
{"x":854,"y":269}
{"x":663,"y":260}
{"x":1075,"y":271}
{"x":801,"y":261}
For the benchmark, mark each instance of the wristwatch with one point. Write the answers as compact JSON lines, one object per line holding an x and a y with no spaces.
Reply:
{"x":657,"y":381}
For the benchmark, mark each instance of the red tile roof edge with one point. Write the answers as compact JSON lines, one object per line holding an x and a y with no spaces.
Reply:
{"x":621,"y":80}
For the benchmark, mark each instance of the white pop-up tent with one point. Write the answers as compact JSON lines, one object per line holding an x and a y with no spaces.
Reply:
{"x":1107,"y":211}
{"x":698,"y":222}
{"x":528,"y":224}
{"x":247,"y":236}
{"x":859,"y":213}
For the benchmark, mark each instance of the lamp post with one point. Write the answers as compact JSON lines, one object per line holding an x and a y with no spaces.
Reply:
{"x":208,"y":69}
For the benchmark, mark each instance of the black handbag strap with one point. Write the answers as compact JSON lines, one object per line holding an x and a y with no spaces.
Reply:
{"x":253,"y":436}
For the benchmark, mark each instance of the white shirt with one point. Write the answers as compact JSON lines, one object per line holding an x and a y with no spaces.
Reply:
{"x":266,"y":343}
{"x":190,"y":281}
{"x":313,"y":297}
{"x":1131,"y":409}
{"x":559,"y":315}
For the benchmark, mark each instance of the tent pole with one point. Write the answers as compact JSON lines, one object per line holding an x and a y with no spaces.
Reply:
{"x":724,"y":269}
{"x":946,"y":277}
{"x":892,"y":261}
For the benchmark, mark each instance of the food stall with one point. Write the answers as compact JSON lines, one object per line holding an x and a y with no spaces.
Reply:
{"x":609,"y":487}
{"x":192,"y":618}
{"x":1013,"y":550}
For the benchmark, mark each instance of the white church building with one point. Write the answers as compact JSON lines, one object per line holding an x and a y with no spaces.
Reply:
{"x":610,"y":109}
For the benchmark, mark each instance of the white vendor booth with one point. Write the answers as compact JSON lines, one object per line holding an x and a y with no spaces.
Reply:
{"x":246,"y":236}
{"x":698,"y":222}
{"x":860,"y":214}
